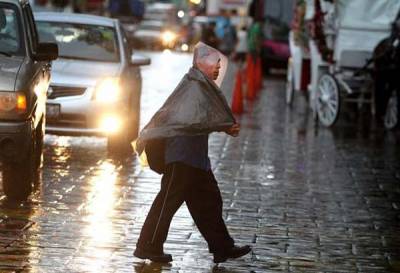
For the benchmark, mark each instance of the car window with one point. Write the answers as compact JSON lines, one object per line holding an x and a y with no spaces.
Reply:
{"x":82,"y":42}
{"x":11,"y":41}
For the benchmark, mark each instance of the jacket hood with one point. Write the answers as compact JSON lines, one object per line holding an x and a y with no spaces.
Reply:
{"x":207,"y":54}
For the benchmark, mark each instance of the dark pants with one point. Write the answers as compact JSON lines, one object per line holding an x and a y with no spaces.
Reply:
{"x":199,"y":189}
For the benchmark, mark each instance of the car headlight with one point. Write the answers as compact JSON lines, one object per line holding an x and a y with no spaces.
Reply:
{"x":110,"y":124}
{"x":107,"y":90}
{"x":168,"y":36}
{"x":13,"y":102}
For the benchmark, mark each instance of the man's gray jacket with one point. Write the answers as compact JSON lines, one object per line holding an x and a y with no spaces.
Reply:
{"x":196,"y":107}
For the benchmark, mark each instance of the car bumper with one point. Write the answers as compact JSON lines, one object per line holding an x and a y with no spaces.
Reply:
{"x":84,"y":117}
{"x":15,"y":140}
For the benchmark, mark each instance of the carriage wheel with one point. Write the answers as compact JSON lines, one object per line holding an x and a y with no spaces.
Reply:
{"x":289,"y":83}
{"x":391,"y":118}
{"x":328,"y":100}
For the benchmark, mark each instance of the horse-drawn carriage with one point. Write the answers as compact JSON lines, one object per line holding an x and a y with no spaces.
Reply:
{"x":343,"y":52}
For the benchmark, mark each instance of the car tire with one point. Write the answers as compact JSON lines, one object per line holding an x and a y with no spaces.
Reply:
{"x":119,"y":144}
{"x":134,"y":120}
{"x":133,"y":128}
{"x":19,"y":177}
{"x":39,"y":138}
{"x":38,"y":152}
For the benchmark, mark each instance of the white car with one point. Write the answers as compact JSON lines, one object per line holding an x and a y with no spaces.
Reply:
{"x":155,"y":35}
{"x":96,"y":82}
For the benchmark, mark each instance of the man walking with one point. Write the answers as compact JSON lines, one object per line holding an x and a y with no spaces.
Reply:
{"x":176,"y":143}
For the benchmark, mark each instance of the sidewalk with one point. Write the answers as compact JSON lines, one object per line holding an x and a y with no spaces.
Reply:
{"x":306,"y":199}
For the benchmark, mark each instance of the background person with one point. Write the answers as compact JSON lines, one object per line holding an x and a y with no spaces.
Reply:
{"x":241,"y":46}
{"x":208,"y":35}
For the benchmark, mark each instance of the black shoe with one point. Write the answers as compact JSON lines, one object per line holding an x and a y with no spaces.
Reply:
{"x":158,"y":257}
{"x":232,"y":253}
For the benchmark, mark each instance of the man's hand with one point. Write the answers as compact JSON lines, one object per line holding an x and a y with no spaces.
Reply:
{"x":233,"y":130}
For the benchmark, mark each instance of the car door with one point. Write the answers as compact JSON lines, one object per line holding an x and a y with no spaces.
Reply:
{"x":39,"y":83}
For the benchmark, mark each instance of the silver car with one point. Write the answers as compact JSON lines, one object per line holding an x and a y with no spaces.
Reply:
{"x":96,"y":82}
{"x":24,"y":79}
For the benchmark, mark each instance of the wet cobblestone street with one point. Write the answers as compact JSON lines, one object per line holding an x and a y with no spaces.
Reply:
{"x":308,"y":199}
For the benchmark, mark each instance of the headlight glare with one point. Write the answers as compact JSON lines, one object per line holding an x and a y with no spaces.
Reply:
{"x":107,"y":90}
{"x":110,"y":124}
{"x":168,"y":36}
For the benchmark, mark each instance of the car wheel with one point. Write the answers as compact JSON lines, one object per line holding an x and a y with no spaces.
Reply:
{"x":134,"y":120}
{"x":38,"y":152}
{"x":39,"y":138}
{"x":18,"y":177}
{"x":119,"y":144}
{"x":133,"y":128}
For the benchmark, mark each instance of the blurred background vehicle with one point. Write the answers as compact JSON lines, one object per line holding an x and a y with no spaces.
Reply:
{"x":157,"y":27}
{"x":154,"y":34}
{"x":164,"y":12}
{"x":24,"y":79}
{"x":96,"y":83}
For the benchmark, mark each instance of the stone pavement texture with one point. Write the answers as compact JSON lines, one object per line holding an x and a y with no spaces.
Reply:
{"x":307,"y":199}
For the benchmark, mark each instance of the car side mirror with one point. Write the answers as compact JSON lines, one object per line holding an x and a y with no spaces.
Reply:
{"x":46,"y":52}
{"x":139,"y":60}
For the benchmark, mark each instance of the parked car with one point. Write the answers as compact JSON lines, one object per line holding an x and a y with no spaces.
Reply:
{"x":153,"y":34}
{"x":24,"y":79}
{"x":96,"y":84}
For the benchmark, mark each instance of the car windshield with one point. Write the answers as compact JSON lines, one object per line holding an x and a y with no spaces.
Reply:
{"x":10,"y":38}
{"x":81,"y":42}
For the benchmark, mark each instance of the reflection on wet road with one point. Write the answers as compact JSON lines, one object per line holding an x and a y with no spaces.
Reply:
{"x":308,"y":200}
